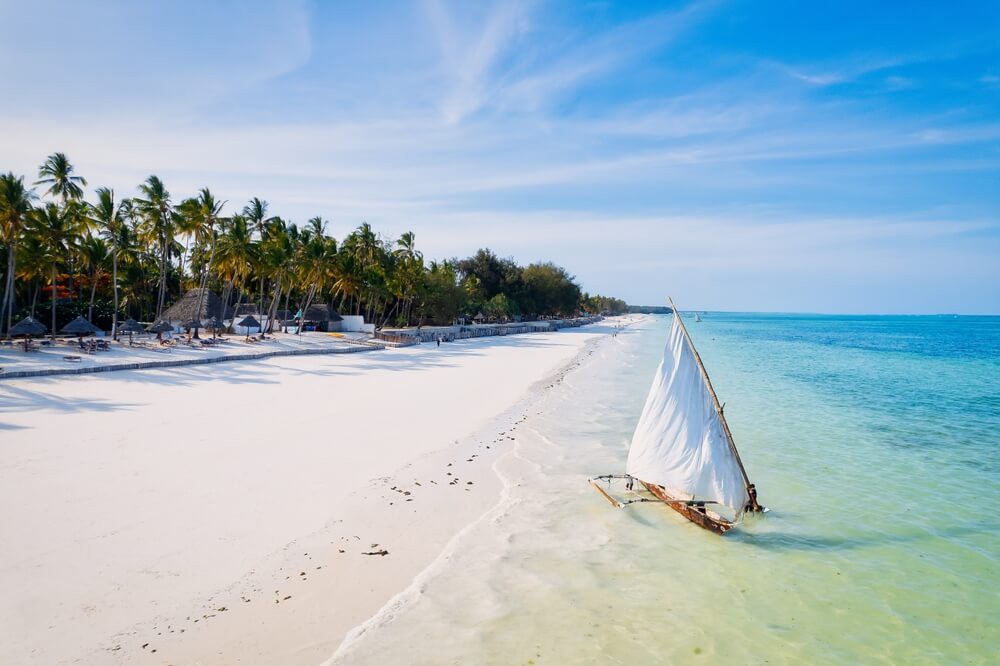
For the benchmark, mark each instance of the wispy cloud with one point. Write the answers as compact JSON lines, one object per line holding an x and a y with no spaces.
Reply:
{"x":470,"y":62}
{"x":844,"y":72}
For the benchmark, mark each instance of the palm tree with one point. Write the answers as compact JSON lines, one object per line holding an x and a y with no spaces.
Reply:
{"x":93,"y":252}
{"x":317,"y":254}
{"x":157,"y":213}
{"x":236,"y":253}
{"x":60,"y":230}
{"x":409,"y":270}
{"x":57,"y":173}
{"x":277,"y":255}
{"x":256,"y":213}
{"x":15,"y":210}
{"x":202,"y":215}
{"x":32,"y":265}
{"x":109,"y":218}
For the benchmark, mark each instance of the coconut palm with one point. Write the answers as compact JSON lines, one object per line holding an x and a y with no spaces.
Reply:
{"x":57,"y":173}
{"x":60,"y":229}
{"x":277,"y":255}
{"x":409,"y":271}
{"x":256,"y":213}
{"x":32,"y":265}
{"x":15,"y":210}
{"x":109,"y":217}
{"x":202,"y":216}
{"x":93,"y":252}
{"x":157,"y":212}
{"x":316,"y":255}
{"x":235,"y":256}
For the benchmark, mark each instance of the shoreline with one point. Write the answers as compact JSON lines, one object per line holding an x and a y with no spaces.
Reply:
{"x":309,"y":625}
{"x":516,"y":415}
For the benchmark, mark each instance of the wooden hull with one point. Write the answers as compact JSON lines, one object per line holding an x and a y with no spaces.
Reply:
{"x":697,"y":513}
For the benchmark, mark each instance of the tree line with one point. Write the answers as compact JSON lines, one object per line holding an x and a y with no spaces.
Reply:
{"x":115,"y":257}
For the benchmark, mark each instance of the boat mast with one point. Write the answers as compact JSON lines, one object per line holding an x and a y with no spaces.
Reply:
{"x":751,"y":489}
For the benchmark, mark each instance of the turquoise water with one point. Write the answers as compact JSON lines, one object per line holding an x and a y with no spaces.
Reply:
{"x":874,"y":440}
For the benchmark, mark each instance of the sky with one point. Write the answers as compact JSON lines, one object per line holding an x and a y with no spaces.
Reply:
{"x":737,"y":155}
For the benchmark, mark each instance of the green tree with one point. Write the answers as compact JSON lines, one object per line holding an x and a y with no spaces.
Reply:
{"x":60,"y":229}
{"x":57,"y":172}
{"x":109,"y":218}
{"x":157,"y":212}
{"x":15,"y":212}
{"x":93,"y":252}
{"x":203,"y":215}
{"x":32,"y":266}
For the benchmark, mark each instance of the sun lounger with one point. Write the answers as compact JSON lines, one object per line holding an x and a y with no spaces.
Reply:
{"x":71,"y":358}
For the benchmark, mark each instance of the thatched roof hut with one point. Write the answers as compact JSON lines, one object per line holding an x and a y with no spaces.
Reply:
{"x":79,"y":326}
{"x":242,"y":309}
{"x":186,"y":309}
{"x":27,"y":326}
{"x":160,"y":327}
{"x":131,"y":326}
{"x":323,"y":317}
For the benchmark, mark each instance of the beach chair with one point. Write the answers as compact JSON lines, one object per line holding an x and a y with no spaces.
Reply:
{"x":71,"y":358}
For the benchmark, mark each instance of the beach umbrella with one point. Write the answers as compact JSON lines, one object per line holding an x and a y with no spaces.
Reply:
{"x":160,"y":328}
{"x":249,"y":322}
{"x":79,"y":327}
{"x":131,"y":326}
{"x":215,"y":325}
{"x":28,"y":327}
{"x":193,"y":325}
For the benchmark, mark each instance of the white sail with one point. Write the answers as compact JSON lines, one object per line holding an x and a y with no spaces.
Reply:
{"x":680,"y":442}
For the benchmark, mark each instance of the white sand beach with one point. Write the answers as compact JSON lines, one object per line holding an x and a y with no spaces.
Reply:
{"x":239,"y":512}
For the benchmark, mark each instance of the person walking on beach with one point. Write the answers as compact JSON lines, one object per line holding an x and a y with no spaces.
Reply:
{"x":439,"y":340}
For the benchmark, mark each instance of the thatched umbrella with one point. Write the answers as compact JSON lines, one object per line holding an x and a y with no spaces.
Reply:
{"x":28,"y":327}
{"x":160,"y":328}
{"x":215,"y":324}
{"x":131,"y":326}
{"x":79,"y":327}
{"x":249,"y":322}
{"x":194,"y":325}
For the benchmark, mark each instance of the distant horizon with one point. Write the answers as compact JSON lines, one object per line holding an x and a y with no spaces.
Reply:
{"x":842,"y":158}
{"x":830,"y":314}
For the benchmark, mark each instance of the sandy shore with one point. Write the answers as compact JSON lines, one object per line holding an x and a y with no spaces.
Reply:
{"x":238,"y":512}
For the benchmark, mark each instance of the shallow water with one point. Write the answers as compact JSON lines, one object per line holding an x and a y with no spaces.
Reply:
{"x":874,"y":440}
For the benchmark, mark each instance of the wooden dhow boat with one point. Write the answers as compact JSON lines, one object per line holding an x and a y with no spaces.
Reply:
{"x":682,"y":450}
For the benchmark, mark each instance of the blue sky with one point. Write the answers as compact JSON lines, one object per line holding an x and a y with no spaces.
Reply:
{"x":785,"y":156}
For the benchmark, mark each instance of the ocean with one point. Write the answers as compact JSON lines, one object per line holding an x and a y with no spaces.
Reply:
{"x":875,"y":442}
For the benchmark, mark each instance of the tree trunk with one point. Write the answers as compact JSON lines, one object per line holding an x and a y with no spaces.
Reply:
{"x":226,"y":292}
{"x":9,"y":295}
{"x":114,"y":289}
{"x":54,"y":294}
{"x":284,"y":320}
{"x":34,"y":299}
{"x":272,"y":309}
{"x":163,"y":276}
{"x":302,"y":319}
{"x":203,"y":286}
{"x":93,"y":292}
{"x":389,"y":315}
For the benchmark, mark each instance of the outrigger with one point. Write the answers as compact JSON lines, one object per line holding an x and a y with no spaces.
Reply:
{"x":682,"y":450}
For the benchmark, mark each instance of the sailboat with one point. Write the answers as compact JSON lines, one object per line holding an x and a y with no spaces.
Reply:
{"x":697,"y":317}
{"x":682,"y":450}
